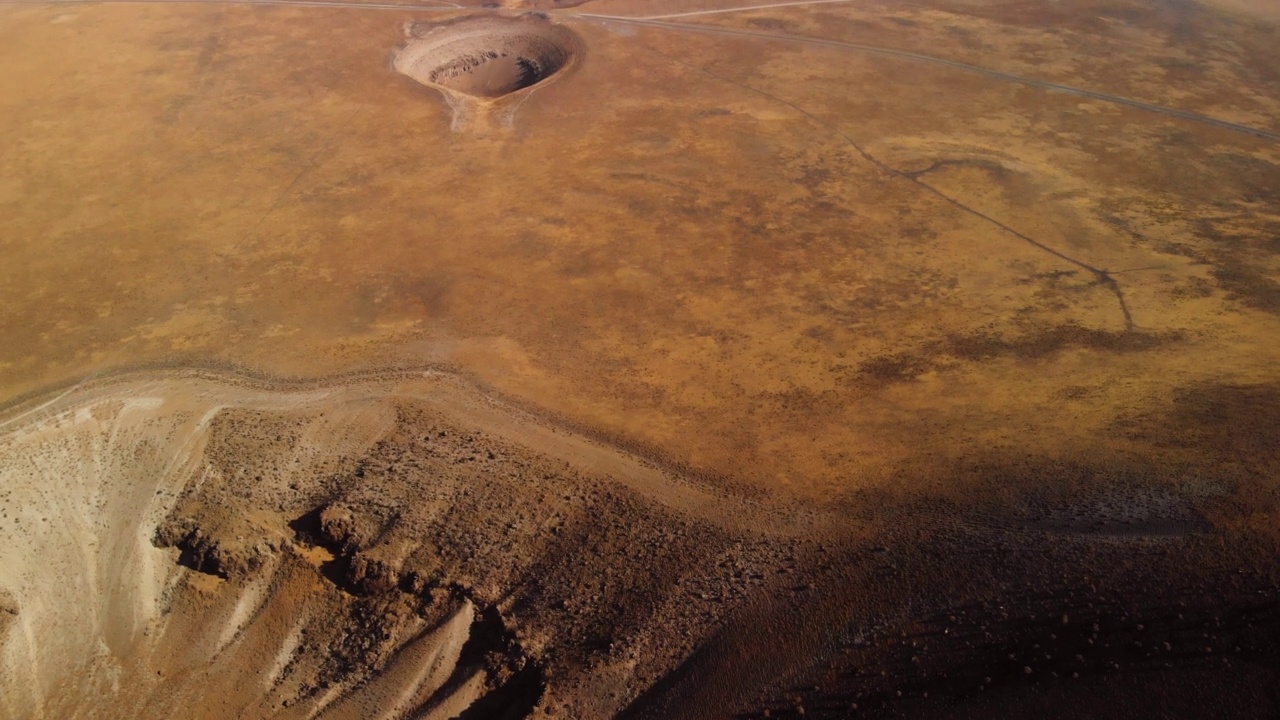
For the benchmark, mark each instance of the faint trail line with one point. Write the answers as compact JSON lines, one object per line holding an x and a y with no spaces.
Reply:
{"x":740,"y":9}
{"x":1145,"y":268}
{"x":281,"y":3}
{"x":918,"y":57}
{"x":13,"y":419}
{"x":1101,"y":276}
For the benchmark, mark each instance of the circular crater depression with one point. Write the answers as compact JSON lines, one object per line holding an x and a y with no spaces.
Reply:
{"x":487,"y":57}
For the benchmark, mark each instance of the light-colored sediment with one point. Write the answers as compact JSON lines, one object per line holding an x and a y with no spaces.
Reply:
{"x":102,"y":623}
{"x":152,"y":566}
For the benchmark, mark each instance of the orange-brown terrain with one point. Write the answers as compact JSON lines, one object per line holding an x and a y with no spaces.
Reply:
{"x":640,"y":359}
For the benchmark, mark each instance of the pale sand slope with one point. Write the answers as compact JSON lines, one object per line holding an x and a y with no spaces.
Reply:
{"x":103,"y":623}
{"x":100,"y":622}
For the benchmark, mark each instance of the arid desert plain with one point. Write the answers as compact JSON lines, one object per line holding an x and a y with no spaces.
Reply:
{"x":639,"y":359}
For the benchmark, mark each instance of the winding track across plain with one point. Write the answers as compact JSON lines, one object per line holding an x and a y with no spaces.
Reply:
{"x":203,"y":388}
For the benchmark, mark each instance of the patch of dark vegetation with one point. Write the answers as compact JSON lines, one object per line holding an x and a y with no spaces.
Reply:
{"x":773,"y":24}
{"x":981,"y":346}
{"x":1077,"y":392}
{"x":1242,"y":281}
{"x":998,"y":171}
{"x":1192,"y":289}
{"x":9,"y":607}
{"x":1237,"y":246}
{"x":1052,"y":276}
{"x":1233,"y":423}
{"x":984,"y":346}
{"x":895,"y":368}
{"x":1254,"y":179}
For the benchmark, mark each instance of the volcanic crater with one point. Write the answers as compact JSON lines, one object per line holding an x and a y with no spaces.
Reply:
{"x":486,"y":57}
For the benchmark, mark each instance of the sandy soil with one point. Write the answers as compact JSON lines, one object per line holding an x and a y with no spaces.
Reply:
{"x":918,"y":357}
{"x":696,"y":266}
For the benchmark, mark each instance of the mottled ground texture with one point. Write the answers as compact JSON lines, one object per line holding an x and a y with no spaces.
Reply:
{"x":640,"y":359}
